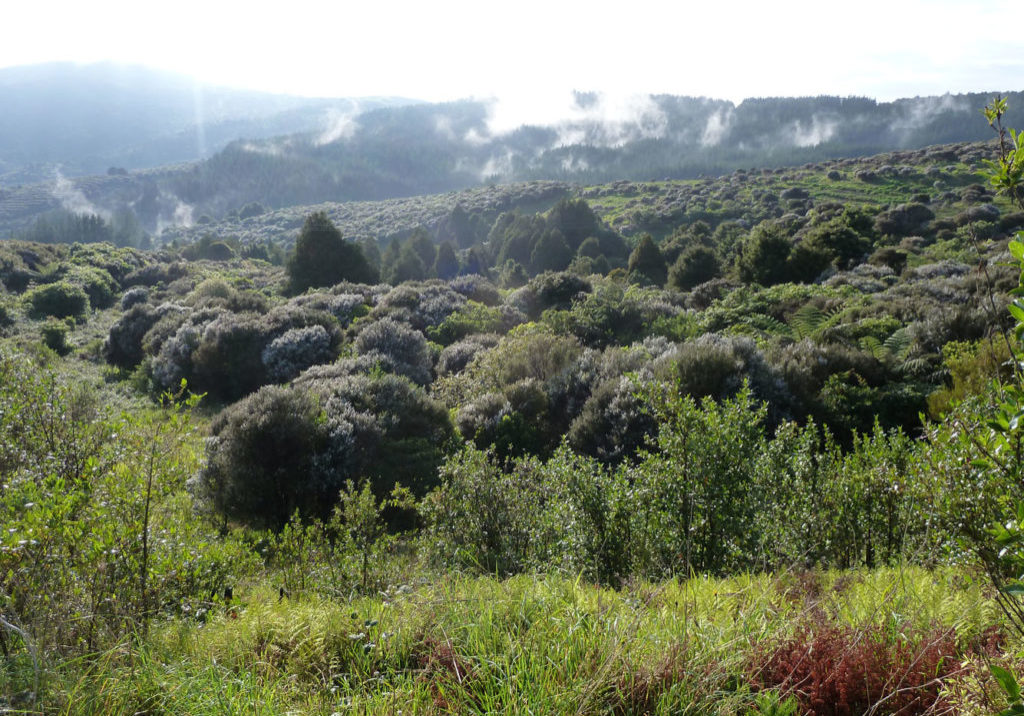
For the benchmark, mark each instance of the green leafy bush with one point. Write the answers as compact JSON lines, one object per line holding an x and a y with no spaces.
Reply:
{"x":59,"y":300}
{"x":55,"y":336}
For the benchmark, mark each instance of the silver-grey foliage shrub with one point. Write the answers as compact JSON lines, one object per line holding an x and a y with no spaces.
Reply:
{"x":295,"y":350}
{"x":405,"y":347}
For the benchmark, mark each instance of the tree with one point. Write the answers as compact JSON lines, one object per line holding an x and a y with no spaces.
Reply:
{"x":323,"y":258}
{"x":550,"y":252}
{"x":420,"y":242}
{"x":407,"y":267}
{"x":647,"y":264}
{"x":694,"y":266}
{"x":764,"y":257}
{"x":446,"y":265}
{"x":575,"y":219}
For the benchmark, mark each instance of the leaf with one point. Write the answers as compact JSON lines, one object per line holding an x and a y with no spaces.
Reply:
{"x":1017,"y":250}
{"x":1014,"y":589}
{"x":1006,"y":681}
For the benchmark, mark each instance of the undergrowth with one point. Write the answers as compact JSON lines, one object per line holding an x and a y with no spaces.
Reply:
{"x":893,"y":641}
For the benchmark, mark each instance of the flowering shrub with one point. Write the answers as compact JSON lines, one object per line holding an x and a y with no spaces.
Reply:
{"x":295,"y":350}
{"x":133,"y":297}
{"x":403,"y":347}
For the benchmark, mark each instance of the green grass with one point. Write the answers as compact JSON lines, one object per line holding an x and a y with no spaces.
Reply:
{"x":526,"y":645}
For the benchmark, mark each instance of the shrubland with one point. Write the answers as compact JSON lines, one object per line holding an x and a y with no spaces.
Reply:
{"x":728,"y":466}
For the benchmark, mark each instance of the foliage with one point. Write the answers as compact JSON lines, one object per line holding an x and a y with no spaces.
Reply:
{"x":323,"y":258}
{"x":400,"y":349}
{"x":260,"y":459}
{"x":59,"y":300}
{"x":295,"y":350}
{"x":695,"y":265}
{"x":55,"y":336}
{"x":646,"y":264}
{"x":95,"y":545}
{"x":764,"y":256}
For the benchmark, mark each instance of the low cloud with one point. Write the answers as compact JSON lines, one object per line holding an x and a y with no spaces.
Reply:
{"x":443,"y":127}
{"x":718,"y":125}
{"x":591,"y":118}
{"x":575,"y":164}
{"x":338,"y":124}
{"x":818,"y":130}
{"x":72,"y":199}
{"x":498,"y":166}
{"x":921,"y":111}
{"x":181,"y":215}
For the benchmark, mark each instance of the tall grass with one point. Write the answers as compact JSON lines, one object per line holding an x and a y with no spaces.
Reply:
{"x":526,"y":645}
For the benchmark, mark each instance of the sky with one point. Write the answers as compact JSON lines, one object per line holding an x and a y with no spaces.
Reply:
{"x":532,"y":53}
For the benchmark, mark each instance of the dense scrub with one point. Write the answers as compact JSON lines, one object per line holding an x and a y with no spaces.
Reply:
{"x":608,"y":426}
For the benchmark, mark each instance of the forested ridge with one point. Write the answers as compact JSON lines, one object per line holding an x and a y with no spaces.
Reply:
{"x":744,"y":444}
{"x":379,"y":149}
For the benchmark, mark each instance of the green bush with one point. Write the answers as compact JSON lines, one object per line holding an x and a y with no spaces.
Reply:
{"x":59,"y":300}
{"x":6,"y":314}
{"x":484,"y":518}
{"x":261,"y":459}
{"x":55,"y":336}
{"x":291,"y":449}
{"x":97,"y":283}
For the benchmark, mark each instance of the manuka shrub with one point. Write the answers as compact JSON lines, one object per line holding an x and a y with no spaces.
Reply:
{"x":157,"y":273}
{"x":514,"y":422}
{"x":404,"y":347}
{"x":288,"y":448}
{"x":97,"y":283}
{"x":123,"y":345}
{"x":422,"y":306}
{"x":549,"y":290}
{"x":222,"y":353}
{"x":218,"y":293}
{"x":614,"y":423}
{"x":133,"y":297}
{"x":716,"y":366}
{"x":261,"y":458}
{"x":399,"y":433}
{"x":474,"y":318}
{"x":903,"y":220}
{"x":296,"y":350}
{"x":457,"y":356}
{"x":476,"y":288}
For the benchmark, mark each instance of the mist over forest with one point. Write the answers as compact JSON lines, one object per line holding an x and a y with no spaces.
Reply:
{"x":161,"y":151}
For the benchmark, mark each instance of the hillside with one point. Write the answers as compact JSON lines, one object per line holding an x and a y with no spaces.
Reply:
{"x":745,"y":196}
{"x":346,"y":152}
{"x":730,"y":444}
{"x":84,"y":119}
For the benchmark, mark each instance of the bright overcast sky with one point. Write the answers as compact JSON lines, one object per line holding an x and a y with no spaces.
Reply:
{"x":535,"y":49}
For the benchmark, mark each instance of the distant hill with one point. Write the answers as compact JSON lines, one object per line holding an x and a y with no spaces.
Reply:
{"x":84,"y":119}
{"x":347,"y":153}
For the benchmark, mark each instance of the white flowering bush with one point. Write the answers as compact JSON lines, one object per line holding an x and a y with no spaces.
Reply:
{"x":295,"y":350}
